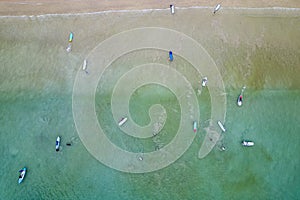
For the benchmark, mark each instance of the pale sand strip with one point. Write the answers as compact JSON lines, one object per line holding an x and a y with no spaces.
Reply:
{"x":38,"y":7}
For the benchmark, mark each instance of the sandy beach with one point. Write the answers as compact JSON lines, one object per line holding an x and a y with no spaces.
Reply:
{"x":37,"y":7}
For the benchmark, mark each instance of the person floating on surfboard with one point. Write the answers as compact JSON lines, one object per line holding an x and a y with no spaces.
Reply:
{"x":240,"y":98}
{"x":195,"y":126}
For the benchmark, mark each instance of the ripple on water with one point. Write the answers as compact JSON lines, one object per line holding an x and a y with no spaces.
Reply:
{"x":13,"y":151}
{"x":44,"y":119}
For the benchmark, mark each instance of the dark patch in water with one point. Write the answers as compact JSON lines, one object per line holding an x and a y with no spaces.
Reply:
{"x":266,"y":155}
{"x":248,"y":181}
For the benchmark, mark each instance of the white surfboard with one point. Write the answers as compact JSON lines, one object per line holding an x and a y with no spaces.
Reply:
{"x":217,"y":8}
{"x":122,"y":121}
{"x":84,"y":65}
{"x":221,"y":126}
{"x":195,"y":126}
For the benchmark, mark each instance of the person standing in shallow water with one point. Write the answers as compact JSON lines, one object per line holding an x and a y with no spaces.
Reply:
{"x":170,"y":56}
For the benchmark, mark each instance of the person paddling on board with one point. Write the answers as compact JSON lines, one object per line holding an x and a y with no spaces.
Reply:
{"x":241,"y":98}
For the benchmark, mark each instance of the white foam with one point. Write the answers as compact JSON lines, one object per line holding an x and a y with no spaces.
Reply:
{"x":146,"y":11}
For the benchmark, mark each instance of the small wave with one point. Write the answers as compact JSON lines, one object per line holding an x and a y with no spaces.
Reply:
{"x":145,"y":11}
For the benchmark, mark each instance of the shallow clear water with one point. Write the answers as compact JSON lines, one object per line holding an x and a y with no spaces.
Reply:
{"x":259,"y":50}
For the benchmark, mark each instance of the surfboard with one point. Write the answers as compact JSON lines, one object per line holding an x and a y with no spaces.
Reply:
{"x":84,"y":66}
{"x":195,"y":126}
{"x":71,"y":37}
{"x":221,"y":126}
{"x":217,"y":8}
{"x":122,"y":121}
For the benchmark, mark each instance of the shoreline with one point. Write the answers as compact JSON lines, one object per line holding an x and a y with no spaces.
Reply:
{"x":148,"y":11}
{"x":38,"y":7}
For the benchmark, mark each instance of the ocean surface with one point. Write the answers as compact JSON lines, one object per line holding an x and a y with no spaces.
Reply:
{"x":256,"y":48}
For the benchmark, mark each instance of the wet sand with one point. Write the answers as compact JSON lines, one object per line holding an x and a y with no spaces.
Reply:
{"x":38,"y":7}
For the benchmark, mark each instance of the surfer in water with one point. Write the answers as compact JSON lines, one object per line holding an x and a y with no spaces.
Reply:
{"x":240,"y":98}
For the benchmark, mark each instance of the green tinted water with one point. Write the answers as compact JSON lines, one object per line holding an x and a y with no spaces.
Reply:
{"x":250,"y":49}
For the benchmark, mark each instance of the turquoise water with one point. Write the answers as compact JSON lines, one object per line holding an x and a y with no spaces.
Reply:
{"x":36,"y":106}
